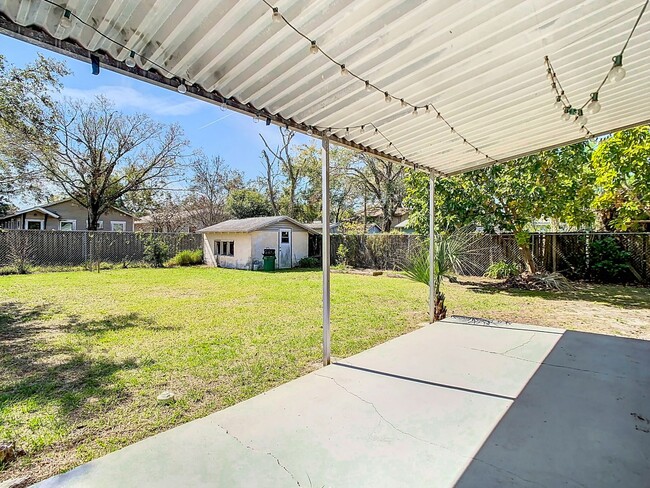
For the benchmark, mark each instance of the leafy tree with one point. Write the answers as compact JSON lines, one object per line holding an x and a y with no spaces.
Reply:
{"x":246,"y":203}
{"x":554,"y":184}
{"x":26,"y":108}
{"x":621,"y":164}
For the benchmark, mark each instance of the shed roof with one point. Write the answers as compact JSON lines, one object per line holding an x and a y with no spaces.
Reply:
{"x":481,"y":65}
{"x":253,"y":224}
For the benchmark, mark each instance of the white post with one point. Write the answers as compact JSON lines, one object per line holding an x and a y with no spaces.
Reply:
{"x":325,"y":251}
{"x":432,"y":247}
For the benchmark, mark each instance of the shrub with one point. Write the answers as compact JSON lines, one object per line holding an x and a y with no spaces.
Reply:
{"x":156,"y":251}
{"x":501,"y":270}
{"x":187,"y":258}
{"x":342,"y":256}
{"x":309,"y":263}
{"x":608,"y":261}
{"x":20,"y":254}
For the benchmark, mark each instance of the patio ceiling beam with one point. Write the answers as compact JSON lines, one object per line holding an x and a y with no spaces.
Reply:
{"x":76,"y":51}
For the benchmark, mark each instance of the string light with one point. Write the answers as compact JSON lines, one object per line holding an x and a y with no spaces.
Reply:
{"x":130,"y":61}
{"x":69,"y":16}
{"x":592,"y":106}
{"x":66,"y":20}
{"x":617,"y":73}
{"x":402,"y":103}
{"x":415,"y":112}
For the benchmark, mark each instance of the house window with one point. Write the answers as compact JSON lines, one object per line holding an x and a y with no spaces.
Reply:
{"x":224,"y":248}
{"x":68,"y":225}
{"x":33,"y":224}
{"x":100,"y":224}
{"x":118,"y":226}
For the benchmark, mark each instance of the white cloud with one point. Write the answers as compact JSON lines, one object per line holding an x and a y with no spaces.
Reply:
{"x":125,"y":97}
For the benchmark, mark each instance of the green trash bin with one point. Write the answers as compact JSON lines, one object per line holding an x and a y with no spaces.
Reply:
{"x":269,"y":259}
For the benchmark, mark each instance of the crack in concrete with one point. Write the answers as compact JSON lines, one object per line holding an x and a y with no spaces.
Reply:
{"x":268,"y":453}
{"x":451,"y":451}
{"x":505,"y":353}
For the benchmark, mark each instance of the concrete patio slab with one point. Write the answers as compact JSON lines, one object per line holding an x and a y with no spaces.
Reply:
{"x":464,"y":402}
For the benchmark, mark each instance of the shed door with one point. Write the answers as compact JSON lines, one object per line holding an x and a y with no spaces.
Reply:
{"x":284,"y":259}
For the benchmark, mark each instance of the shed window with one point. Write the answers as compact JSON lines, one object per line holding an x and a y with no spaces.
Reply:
{"x":224,"y":248}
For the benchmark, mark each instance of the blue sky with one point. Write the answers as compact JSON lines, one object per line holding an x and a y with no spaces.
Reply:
{"x":232,"y":136}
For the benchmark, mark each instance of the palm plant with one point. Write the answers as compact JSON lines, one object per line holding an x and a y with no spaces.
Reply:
{"x":452,"y":255}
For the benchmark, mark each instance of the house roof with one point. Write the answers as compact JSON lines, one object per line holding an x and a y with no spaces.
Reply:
{"x":31,"y":209}
{"x":404,"y":224}
{"x":253,"y":224}
{"x":482,"y":69}
{"x":43,"y":208}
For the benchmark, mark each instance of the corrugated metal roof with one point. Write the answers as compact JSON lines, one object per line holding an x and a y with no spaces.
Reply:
{"x":252,"y":224}
{"x":481,"y":63}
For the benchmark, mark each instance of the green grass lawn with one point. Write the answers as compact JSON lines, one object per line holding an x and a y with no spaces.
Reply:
{"x":84,"y":355}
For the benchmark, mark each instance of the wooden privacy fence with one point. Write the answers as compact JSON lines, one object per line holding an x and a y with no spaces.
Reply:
{"x":60,"y":248}
{"x":566,"y":252}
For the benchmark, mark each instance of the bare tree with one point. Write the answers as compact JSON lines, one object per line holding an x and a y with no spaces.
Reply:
{"x":101,"y":154}
{"x":290,"y":168}
{"x":212,"y":181}
{"x":383,"y":180}
{"x":269,"y":180}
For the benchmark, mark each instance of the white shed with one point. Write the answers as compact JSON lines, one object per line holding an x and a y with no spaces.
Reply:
{"x":240,"y":243}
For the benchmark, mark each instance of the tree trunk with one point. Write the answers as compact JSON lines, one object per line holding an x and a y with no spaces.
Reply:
{"x":527,"y":256}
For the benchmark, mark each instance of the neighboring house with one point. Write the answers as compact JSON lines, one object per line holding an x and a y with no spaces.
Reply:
{"x":318,"y":227}
{"x":65,"y":215}
{"x":240,"y":243}
{"x":373,"y":229}
{"x":375,"y":215}
{"x":181,"y":222}
{"x":404,"y":227}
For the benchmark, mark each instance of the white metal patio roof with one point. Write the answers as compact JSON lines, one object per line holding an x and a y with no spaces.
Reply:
{"x":480,"y":63}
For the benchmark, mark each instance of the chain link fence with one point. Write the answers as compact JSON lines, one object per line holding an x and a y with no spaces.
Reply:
{"x":74,"y":248}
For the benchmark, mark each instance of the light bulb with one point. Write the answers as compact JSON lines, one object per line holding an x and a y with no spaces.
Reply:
{"x":549,"y":74}
{"x":616,"y":74}
{"x":347,"y":132}
{"x":310,"y":131}
{"x":362,"y":129}
{"x":130,"y":61}
{"x":344,"y":70}
{"x":566,"y":116}
{"x":593,"y":107}
{"x":553,"y":88}
{"x":313,"y":49}
{"x":66,"y":20}
{"x":181,"y":88}
{"x":582,"y":120}
{"x":368,"y":87}
{"x":276,"y":15}
{"x":415,"y":112}
{"x":558,"y":103}
{"x":387,"y":97}
{"x":427,"y":110}
{"x":403,"y":103}
{"x":257,"y":118}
